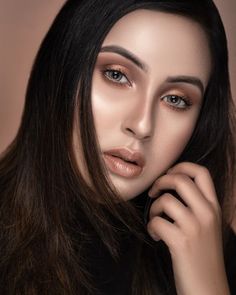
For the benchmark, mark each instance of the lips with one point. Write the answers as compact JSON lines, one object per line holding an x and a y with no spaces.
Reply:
{"x":124,"y":162}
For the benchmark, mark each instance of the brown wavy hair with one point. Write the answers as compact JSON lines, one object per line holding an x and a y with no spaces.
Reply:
{"x":49,"y":215}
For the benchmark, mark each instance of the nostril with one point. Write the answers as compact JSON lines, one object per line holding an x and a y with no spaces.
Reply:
{"x":130,"y":130}
{"x":138,"y":133}
{"x":147,"y":137}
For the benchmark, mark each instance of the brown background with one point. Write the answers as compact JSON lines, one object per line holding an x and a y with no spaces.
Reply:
{"x":23,"y":23}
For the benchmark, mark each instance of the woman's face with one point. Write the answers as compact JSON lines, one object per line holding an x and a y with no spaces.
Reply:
{"x":147,"y":92}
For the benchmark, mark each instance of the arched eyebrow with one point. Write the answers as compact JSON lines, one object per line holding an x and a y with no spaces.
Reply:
{"x":133,"y":58}
{"x":187,"y":79}
{"x":127,"y":54}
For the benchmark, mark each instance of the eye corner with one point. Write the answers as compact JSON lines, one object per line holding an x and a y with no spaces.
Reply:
{"x":109,"y":70}
{"x":185,"y":100}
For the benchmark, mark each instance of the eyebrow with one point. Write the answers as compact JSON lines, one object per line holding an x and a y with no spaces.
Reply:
{"x":187,"y":79}
{"x":127,"y":54}
{"x":175,"y":79}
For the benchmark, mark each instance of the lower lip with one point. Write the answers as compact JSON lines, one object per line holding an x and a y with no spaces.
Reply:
{"x":122,"y":168}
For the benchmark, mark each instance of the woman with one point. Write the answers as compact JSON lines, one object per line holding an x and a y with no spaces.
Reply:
{"x":120,"y":92}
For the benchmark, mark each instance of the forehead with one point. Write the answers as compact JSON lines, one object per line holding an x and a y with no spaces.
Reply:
{"x":163,"y":40}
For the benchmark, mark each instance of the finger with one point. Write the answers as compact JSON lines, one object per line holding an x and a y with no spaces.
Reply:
{"x":186,"y":189}
{"x":172,"y":207}
{"x":201,"y":176}
{"x":159,"y":228}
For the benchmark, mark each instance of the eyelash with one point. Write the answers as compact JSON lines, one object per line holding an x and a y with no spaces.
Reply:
{"x":120,"y":72}
{"x":184,"y":99}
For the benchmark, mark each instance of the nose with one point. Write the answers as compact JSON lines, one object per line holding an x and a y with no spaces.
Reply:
{"x":139,"y":122}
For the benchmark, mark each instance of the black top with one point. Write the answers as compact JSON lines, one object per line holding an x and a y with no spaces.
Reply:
{"x":111,"y":277}
{"x":114,"y":278}
{"x":230,"y":261}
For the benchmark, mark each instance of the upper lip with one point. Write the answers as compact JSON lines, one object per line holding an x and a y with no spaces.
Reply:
{"x":127,"y":155}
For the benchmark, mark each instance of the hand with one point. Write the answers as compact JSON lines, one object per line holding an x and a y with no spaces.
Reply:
{"x":194,"y":238}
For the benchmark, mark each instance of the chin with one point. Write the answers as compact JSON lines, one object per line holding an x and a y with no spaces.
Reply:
{"x":127,"y":193}
{"x":129,"y":188}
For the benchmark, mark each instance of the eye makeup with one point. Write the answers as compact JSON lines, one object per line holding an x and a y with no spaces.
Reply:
{"x":181,"y":96}
{"x":178,"y":92}
{"x":186,"y":102}
{"x":111,"y":60}
{"x":117,"y":75}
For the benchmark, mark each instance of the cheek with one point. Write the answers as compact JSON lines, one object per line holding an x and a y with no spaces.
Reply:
{"x":106,"y":118}
{"x":108,"y":107}
{"x":105,"y":108}
{"x":101,"y":110}
{"x":173,"y":135}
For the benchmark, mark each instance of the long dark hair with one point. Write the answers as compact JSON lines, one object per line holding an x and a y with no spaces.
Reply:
{"x":48,"y":213}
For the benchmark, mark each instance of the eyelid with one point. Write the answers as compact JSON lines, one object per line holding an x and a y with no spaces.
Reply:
{"x":113,"y":79}
{"x":118,"y":69}
{"x":113,"y":59}
{"x":188,"y":102}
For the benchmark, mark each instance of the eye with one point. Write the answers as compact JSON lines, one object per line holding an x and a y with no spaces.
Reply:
{"x":116,"y":76}
{"x":177,"y":102}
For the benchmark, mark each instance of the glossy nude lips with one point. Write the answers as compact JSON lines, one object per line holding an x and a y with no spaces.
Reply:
{"x":124,"y":162}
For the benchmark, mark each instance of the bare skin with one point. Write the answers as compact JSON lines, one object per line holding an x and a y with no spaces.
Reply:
{"x":194,"y":238}
{"x":133,"y":108}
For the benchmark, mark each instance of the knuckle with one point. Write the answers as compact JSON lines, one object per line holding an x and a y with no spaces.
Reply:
{"x":183,"y":244}
{"x":180,"y":179}
{"x":166,"y":199}
{"x":210,"y":217}
{"x":153,"y":210}
{"x":153,"y":224}
{"x":195,"y":228}
{"x":192,"y":235}
{"x":204,"y":171}
{"x":163,"y":202}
